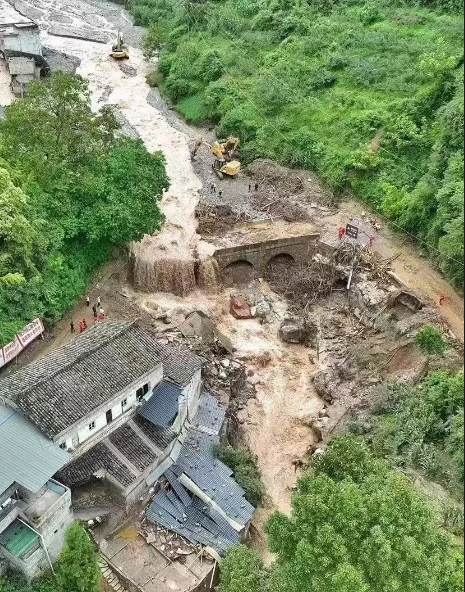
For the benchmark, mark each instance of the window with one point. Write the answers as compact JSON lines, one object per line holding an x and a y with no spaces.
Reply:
{"x":142,"y":392}
{"x":63,"y":446}
{"x":92,"y":426}
{"x":124,"y":404}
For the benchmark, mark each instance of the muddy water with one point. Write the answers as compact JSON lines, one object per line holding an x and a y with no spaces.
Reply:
{"x":166,"y":257}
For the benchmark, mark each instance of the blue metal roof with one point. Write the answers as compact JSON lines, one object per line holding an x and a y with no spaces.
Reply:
{"x":210,"y":415}
{"x":27,"y":457}
{"x":163,"y":406}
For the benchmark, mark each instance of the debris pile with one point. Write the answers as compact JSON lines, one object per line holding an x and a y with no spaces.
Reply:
{"x":284,"y":208}
{"x":217,"y":219}
{"x":168,"y":543}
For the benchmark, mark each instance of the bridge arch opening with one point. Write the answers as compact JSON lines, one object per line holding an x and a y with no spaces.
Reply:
{"x":239,"y":273}
{"x":279,"y":264}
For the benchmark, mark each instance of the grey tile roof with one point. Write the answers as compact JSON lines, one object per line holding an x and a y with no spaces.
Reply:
{"x":161,"y":437}
{"x":132,"y":447}
{"x":26,"y":456}
{"x":65,"y":386}
{"x":163,"y":406}
{"x":180,"y":364}
{"x":210,"y":415}
{"x":195,"y":520}
{"x":97,"y":459}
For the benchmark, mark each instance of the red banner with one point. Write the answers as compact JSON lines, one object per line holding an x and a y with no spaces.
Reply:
{"x":22,"y":339}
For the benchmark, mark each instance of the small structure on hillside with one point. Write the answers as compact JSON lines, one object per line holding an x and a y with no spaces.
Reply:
{"x":21,"y":47}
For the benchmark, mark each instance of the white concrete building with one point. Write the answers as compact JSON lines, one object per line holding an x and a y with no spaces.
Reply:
{"x":21,"y":47}
{"x":35,"y":510}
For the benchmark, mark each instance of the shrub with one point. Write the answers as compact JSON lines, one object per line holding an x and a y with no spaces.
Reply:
{"x":246,"y":471}
{"x":431,"y":341}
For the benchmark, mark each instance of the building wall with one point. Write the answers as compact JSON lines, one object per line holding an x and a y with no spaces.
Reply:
{"x":24,"y":40}
{"x":81,"y":433}
{"x":189,"y":402}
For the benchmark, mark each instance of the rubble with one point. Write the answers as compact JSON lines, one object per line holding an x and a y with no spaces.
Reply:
{"x":293,"y":330}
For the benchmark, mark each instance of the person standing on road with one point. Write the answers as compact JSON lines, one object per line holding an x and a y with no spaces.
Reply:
{"x":256,"y":186}
{"x":88,"y":300}
{"x":99,"y":301}
{"x":342,"y":232}
{"x":220,"y":193}
{"x":72,"y":327}
{"x":94,"y":310}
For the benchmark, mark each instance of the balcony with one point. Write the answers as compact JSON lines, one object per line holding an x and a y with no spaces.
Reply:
{"x":39,"y":507}
{"x":8,"y":515}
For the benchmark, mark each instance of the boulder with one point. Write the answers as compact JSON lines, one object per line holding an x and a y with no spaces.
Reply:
{"x":293,"y":330}
{"x":323,"y":386}
{"x":240,"y":309}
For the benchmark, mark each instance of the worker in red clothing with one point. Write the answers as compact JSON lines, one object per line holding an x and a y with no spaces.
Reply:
{"x":342,"y":232}
{"x":372,"y":240}
{"x":442,"y":299}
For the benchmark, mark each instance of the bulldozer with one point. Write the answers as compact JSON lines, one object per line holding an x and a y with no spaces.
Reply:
{"x":119,"y":51}
{"x":224,"y":168}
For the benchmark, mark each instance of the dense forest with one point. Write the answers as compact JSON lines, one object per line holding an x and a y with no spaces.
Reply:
{"x":71,"y":188}
{"x":369,"y":93}
{"x":356,"y":526}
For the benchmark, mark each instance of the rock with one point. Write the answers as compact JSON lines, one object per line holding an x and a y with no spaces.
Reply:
{"x":253,"y":311}
{"x":163,"y":342}
{"x":293,"y":330}
{"x":323,"y":386}
{"x":223,"y":375}
{"x":240,"y":309}
{"x":323,"y":413}
{"x":127,"y":69}
{"x":214,"y":371}
{"x":226,"y":363}
{"x":263,"y":309}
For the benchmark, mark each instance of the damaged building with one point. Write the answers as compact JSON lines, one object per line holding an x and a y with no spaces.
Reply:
{"x":132,"y":413}
{"x":21,"y":48}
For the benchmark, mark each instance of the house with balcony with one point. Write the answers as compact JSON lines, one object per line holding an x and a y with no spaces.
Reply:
{"x":35,"y":510}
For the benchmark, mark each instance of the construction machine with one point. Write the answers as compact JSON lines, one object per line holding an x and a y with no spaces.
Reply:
{"x":224,"y":168}
{"x":227,"y":156}
{"x":226,"y":149}
{"x":119,"y":51}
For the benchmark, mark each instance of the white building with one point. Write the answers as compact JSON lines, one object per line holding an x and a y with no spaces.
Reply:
{"x":131,"y":412}
{"x":21,"y":47}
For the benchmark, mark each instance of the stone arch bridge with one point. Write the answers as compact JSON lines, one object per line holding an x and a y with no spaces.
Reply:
{"x":259,"y":257}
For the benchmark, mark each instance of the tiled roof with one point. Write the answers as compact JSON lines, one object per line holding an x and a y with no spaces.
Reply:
{"x":64,"y":387}
{"x":132,"y":447}
{"x":161,"y":437}
{"x":186,"y":514}
{"x":210,"y":415}
{"x":95,"y":461}
{"x":180,"y":364}
{"x":163,"y":406}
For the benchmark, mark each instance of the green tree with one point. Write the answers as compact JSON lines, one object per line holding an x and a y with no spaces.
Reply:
{"x":242,"y":571}
{"x":373,"y":533}
{"x":77,"y":570}
{"x":430,"y":341}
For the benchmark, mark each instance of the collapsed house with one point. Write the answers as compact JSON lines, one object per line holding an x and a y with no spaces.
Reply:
{"x":21,"y":47}
{"x":133,"y":414}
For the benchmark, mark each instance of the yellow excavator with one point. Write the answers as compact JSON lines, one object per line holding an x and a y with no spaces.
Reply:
{"x":227,"y":156}
{"x":119,"y":51}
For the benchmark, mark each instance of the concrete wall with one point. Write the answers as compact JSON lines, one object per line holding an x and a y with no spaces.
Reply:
{"x":259,"y":255}
{"x":21,"y":39}
{"x":81,"y":433}
{"x":189,"y":402}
